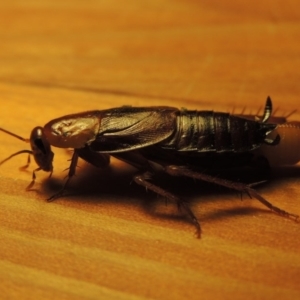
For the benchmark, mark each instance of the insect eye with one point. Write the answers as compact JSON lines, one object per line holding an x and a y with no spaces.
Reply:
{"x":41,"y":149}
{"x":38,"y":141}
{"x":40,"y":145}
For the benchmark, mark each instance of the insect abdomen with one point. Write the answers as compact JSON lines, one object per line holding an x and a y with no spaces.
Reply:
{"x":207,"y":131}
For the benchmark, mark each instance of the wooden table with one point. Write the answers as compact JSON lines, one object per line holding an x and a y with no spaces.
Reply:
{"x":109,"y":239}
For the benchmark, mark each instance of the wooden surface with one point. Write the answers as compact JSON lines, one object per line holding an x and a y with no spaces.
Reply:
{"x":110,"y":239}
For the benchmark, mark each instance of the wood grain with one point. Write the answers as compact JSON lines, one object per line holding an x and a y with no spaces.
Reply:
{"x":109,"y":239}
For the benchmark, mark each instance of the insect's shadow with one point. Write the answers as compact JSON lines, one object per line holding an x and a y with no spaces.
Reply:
{"x":116,"y":186}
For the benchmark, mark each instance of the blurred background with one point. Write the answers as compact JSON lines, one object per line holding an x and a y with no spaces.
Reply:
{"x":195,"y":51}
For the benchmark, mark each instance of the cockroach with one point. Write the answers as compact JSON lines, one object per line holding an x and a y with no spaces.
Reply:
{"x":169,"y":140}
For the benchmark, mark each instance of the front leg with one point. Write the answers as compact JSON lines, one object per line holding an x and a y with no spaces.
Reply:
{"x":99,"y":160}
{"x":71,"y":173}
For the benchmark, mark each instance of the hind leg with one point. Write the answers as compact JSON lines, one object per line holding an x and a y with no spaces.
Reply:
{"x":240,"y":187}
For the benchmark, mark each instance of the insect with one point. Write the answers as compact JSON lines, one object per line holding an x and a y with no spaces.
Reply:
{"x":168,"y":140}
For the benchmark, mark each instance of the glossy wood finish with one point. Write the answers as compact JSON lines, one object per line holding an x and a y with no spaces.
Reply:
{"x":110,"y":239}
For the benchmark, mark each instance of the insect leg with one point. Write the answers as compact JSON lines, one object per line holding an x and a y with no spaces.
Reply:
{"x":97,"y":159}
{"x":240,"y":187}
{"x":31,"y":184}
{"x":142,"y":179}
{"x":147,"y":168}
{"x":71,"y":173}
{"x":27,"y":164}
{"x":17,"y":153}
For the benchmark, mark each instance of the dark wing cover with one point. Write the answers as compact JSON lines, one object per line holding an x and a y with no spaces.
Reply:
{"x":128,"y":128}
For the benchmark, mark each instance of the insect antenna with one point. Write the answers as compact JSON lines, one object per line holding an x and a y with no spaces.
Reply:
{"x":19,"y":152}
{"x":15,"y":135}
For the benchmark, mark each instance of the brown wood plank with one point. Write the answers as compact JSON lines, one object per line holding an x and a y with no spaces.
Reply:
{"x":109,"y":239}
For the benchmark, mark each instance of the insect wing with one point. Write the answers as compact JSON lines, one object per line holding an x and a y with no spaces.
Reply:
{"x":128,"y":128}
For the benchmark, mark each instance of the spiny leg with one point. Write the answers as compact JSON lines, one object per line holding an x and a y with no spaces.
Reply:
{"x":240,"y":187}
{"x":142,"y":179}
{"x":71,"y":173}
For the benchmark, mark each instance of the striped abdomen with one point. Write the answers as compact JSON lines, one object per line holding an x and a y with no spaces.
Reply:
{"x":207,"y":131}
